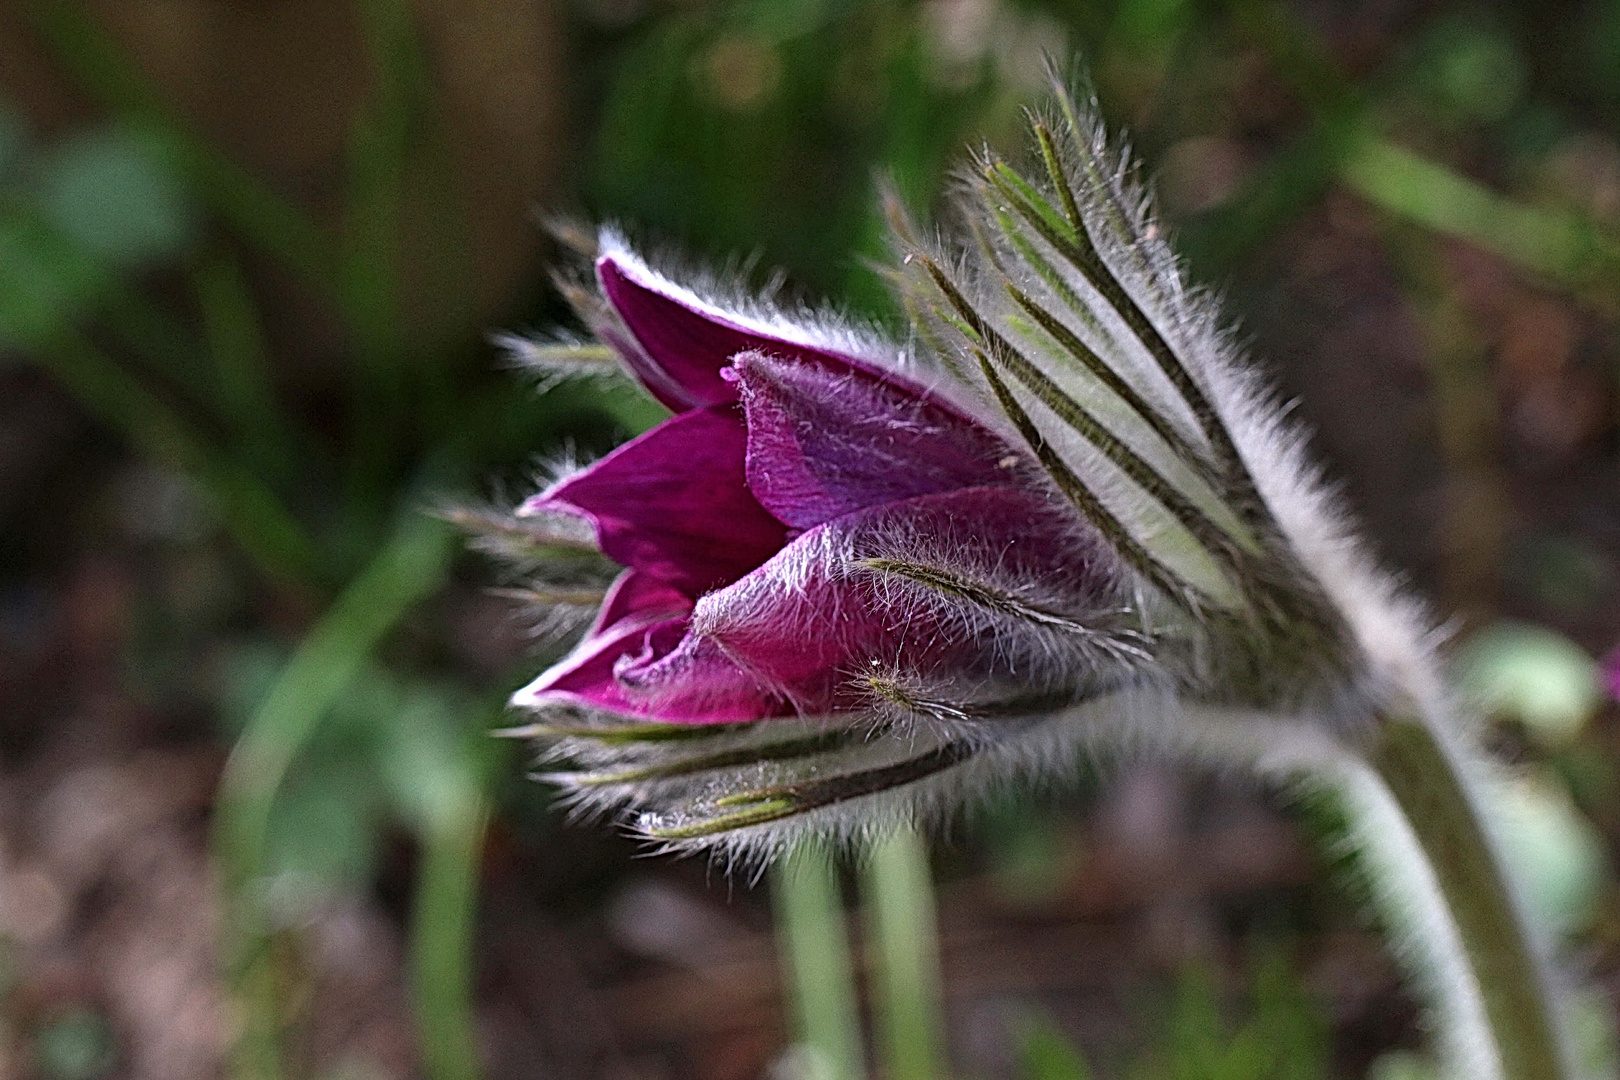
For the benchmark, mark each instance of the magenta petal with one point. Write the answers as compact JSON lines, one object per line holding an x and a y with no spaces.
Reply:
{"x":634,"y":594}
{"x":1611,"y":674}
{"x":675,"y":504}
{"x":791,"y":636}
{"x":807,"y":621}
{"x":692,"y":681}
{"x":685,"y":344}
{"x":585,"y":677}
{"x":700,"y":685}
{"x":638,"y":614}
{"x":823,"y":443}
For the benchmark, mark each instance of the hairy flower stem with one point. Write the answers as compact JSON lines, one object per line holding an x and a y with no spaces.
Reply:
{"x":1425,"y":778}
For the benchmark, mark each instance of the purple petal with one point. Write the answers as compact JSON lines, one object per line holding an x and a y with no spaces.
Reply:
{"x":801,"y":626}
{"x":688,"y":680}
{"x":685,"y":343}
{"x":642,"y":620}
{"x":674,"y":503}
{"x":636,"y":594}
{"x":824,"y":442}
{"x":1611,"y":674}
{"x":586,"y":675}
{"x":604,"y":672}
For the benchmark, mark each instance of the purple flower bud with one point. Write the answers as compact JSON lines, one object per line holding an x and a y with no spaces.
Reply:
{"x":862,"y":579}
{"x":751,"y":521}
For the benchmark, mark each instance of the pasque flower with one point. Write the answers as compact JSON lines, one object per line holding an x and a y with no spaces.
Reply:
{"x":839,"y":573}
{"x":864,"y":578}
{"x":768,"y":528}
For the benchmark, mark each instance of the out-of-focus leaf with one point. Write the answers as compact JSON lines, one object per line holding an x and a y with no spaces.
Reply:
{"x":323,"y":836}
{"x":43,"y":282}
{"x":13,"y":141}
{"x":110,"y":191}
{"x":76,"y":1046}
{"x":1532,"y":674}
{"x":1473,"y":70}
{"x":1045,"y":1054}
{"x":101,"y":66}
{"x":1559,"y":853}
{"x":1402,"y":1065}
{"x":426,"y":760}
{"x":1593,"y":1027}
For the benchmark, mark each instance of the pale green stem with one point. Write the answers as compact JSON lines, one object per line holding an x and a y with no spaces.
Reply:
{"x":408,"y":568}
{"x":815,"y":951}
{"x":1427,"y":779}
{"x":442,"y":926}
{"x":1412,"y":806}
{"x":898,"y":896}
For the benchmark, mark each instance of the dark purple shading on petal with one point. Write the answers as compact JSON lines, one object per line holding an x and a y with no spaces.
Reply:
{"x":803,"y":624}
{"x":824,"y":442}
{"x":1611,"y":674}
{"x":683,"y":348}
{"x":674,"y":503}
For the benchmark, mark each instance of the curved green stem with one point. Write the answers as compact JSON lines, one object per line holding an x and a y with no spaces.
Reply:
{"x":407,"y":569}
{"x":1426,"y":779}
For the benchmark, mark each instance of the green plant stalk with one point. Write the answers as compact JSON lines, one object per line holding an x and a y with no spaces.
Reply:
{"x":899,"y":897}
{"x":442,"y":928}
{"x":379,"y":154}
{"x":410,"y":566}
{"x":815,"y":952}
{"x":1425,"y":778}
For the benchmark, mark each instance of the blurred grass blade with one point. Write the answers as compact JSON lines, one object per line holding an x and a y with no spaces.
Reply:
{"x":443,"y":922}
{"x":815,"y":952}
{"x":898,"y":895}
{"x":379,"y":150}
{"x":266,"y":219}
{"x":1564,"y":246}
{"x":250,"y":512}
{"x":1044,"y":1054}
{"x":46,"y":279}
{"x":409,"y":567}
{"x":241,"y":362}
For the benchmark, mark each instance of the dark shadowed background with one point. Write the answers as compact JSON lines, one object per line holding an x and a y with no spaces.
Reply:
{"x":250,"y":255}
